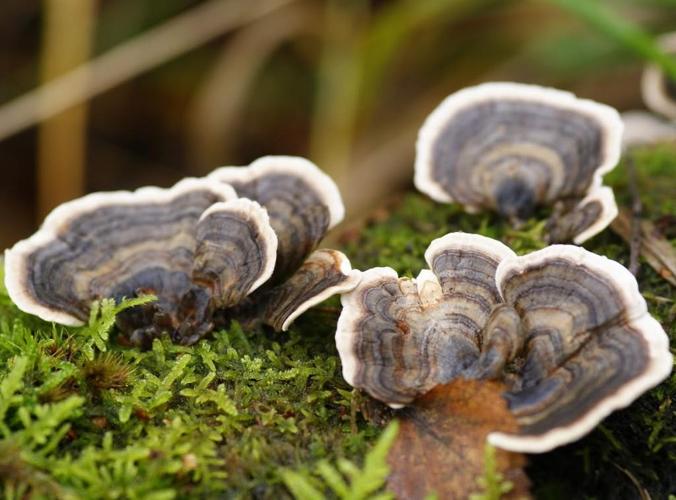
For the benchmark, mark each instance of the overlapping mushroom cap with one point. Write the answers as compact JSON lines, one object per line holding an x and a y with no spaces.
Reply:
{"x":512,"y":147}
{"x":196,"y":246}
{"x":659,"y":91}
{"x":566,"y":330}
{"x":302,"y":201}
{"x":303,"y":204}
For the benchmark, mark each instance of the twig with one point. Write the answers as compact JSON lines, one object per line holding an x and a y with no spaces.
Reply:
{"x":354,"y":403}
{"x":132,"y":58}
{"x":636,"y":212}
{"x":656,"y":249}
{"x":643,"y":493}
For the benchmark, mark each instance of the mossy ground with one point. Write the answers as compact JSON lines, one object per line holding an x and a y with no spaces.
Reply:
{"x":82,"y":417}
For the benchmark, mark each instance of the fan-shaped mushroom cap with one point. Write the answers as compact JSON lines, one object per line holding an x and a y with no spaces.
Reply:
{"x":591,"y":216}
{"x":324,"y":273}
{"x":659,"y":91}
{"x":194,"y":246}
{"x":236,"y":248}
{"x":511,"y":147}
{"x":591,"y":346}
{"x":302,"y":201}
{"x":398,"y":338}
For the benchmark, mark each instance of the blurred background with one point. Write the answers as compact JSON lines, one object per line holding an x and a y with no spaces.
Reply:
{"x":116,"y":94}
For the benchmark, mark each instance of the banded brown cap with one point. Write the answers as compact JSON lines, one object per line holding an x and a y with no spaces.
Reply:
{"x":302,"y":201}
{"x":512,"y":147}
{"x":659,"y":91}
{"x":399,"y":337}
{"x":566,"y":330}
{"x":195,"y":246}
{"x":591,"y":346}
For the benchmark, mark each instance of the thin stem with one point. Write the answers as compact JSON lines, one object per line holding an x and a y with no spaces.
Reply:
{"x":62,"y":140}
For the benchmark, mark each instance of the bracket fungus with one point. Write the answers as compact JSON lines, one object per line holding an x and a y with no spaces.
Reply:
{"x":659,"y":91}
{"x":565,"y":330}
{"x":302,"y":201}
{"x":512,"y":147}
{"x":303,"y":204}
{"x":197,"y":246}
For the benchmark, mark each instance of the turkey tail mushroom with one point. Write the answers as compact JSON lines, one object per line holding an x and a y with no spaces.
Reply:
{"x":399,"y":337}
{"x":108,"y":245}
{"x":588,"y":218}
{"x":324,"y":273}
{"x":591,"y":348}
{"x":184,"y":244}
{"x":512,"y":147}
{"x":303,"y":203}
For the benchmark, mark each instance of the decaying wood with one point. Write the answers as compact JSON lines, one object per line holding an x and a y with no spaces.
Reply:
{"x":655,"y":248}
{"x":440,"y":447}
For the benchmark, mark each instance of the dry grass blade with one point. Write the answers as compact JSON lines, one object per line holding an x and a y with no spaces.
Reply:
{"x":656,"y":249}
{"x":132,"y":58}
{"x":215,"y":112}
{"x":63,"y":139}
{"x":644,"y":495}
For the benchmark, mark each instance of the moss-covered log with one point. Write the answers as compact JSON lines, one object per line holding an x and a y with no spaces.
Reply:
{"x":82,"y":416}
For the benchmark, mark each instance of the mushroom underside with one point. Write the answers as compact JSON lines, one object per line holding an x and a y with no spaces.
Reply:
{"x":324,"y":273}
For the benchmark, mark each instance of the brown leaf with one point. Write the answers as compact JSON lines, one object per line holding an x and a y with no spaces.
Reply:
{"x":440,"y":447}
{"x":655,"y":248}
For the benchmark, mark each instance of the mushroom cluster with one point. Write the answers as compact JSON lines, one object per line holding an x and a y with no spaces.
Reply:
{"x":512,"y":147}
{"x":243,"y":238}
{"x":564,"y":329}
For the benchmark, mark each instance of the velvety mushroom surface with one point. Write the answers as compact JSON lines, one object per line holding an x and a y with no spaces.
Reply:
{"x":398,"y":338}
{"x":566,"y":330}
{"x":588,"y":217}
{"x":512,"y":147}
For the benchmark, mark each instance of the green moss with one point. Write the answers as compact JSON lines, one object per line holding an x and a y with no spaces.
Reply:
{"x":224,"y":416}
{"x":345,"y":480}
{"x":493,"y":484}
{"x":81,"y":417}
